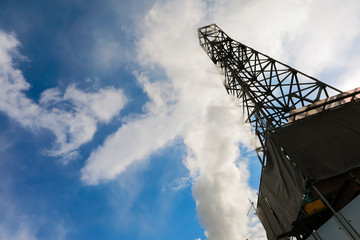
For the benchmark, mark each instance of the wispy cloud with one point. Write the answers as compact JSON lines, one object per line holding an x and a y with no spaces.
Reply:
{"x":137,"y":139}
{"x":179,"y":184}
{"x":71,"y":116}
{"x":18,"y":224}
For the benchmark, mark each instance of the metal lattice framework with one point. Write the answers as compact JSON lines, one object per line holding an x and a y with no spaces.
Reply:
{"x":268,"y":89}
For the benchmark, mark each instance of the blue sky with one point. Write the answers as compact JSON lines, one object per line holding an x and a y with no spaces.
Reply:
{"x":115,"y":124}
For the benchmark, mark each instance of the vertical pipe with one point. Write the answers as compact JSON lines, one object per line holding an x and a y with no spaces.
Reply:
{"x":355,"y":178}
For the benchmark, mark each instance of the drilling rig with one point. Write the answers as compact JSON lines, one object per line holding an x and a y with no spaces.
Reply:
{"x":309,"y":142}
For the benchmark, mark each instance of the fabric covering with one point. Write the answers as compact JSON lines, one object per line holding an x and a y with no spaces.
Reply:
{"x":282,"y":184}
{"x":268,"y":219}
{"x":321,"y":146}
{"x":324,"y":145}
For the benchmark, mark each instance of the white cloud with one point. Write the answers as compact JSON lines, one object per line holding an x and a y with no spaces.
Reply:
{"x":72,"y":116}
{"x":350,"y":79}
{"x":24,"y":230}
{"x":167,"y":114}
{"x":324,"y":41}
{"x":265,"y":25}
{"x":106,"y":53}
{"x":316,"y":37}
{"x":101,"y":105}
{"x":18,"y":225}
{"x":22,"y":233}
{"x":179,"y":184}
{"x":136,"y":139}
{"x":173,"y":104}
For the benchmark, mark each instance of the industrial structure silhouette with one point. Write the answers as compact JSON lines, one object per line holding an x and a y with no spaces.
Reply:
{"x":309,"y":135}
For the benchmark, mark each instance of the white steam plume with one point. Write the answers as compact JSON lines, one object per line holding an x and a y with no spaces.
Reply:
{"x":221,"y":189}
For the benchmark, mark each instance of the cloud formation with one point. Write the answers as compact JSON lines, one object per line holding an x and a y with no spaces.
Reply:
{"x":136,"y":139}
{"x":191,"y":104}
{"x":17,"y":224}
{"x":72,"y":116}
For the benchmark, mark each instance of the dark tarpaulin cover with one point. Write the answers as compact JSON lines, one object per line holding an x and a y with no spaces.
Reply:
{"x":324,"y":145}
{"x":268,"y":219}
{"x":282,"y":184}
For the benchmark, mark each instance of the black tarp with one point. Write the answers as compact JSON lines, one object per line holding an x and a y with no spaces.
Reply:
{"x":282,"y":184}
{"x":321,"y":146}
{"x":324,"y":145}
{"x":268,"y":219}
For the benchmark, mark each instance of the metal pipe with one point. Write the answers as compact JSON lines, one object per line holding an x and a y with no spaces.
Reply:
{"x":355,"y":178}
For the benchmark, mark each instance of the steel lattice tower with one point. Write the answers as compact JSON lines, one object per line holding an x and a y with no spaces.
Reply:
{"x":269,"y":89}
{"x":297,"y":194}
